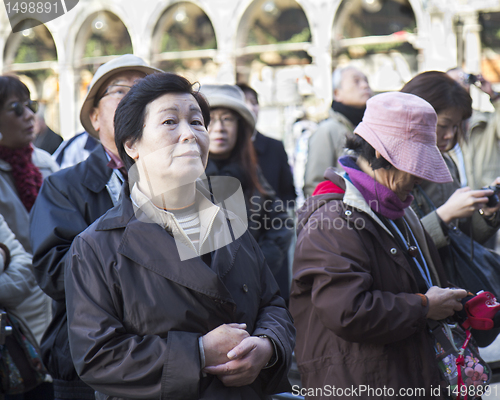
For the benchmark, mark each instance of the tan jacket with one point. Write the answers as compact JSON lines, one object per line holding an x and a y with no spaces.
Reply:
{"x":481,"y":148}
{"x":11,"y":207}
{"x":326,"y":145}
{"x":439,"y":193}
{"x":19,"y":291}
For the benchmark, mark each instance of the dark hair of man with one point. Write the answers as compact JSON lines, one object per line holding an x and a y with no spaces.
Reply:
{"x":362,"y":148}
{"x":10,"y":86}
{"x":247,"y":89}
{"x":441,"y":92}
{"x":131,"y":111}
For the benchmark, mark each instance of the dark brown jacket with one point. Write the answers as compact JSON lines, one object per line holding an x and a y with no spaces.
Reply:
{"x":358,"y":319}
{"x":136,"y":311}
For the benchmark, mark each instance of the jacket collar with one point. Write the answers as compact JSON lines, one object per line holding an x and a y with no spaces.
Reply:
{"x":340,"y":118}
{"x":139,"y":236}
{"x":259,"y":143}
{"x":353,"y":198}
{"x":97,"y":173}
{"x":207,"y":213}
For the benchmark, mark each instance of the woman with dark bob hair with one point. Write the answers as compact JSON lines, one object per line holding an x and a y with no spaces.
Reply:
{"x":461,"y":207}
{"x":168,"y":294}
{"x":367,"y":278}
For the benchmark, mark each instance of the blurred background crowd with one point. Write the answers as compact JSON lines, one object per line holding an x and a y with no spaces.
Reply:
{"x":284,"y":49}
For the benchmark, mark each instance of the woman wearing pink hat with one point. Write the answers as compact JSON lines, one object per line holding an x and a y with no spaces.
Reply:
{"x":367,"y":278}
{"x":462,"y":207}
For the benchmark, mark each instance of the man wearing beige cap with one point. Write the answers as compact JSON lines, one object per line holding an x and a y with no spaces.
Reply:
{"x":71,"y":201}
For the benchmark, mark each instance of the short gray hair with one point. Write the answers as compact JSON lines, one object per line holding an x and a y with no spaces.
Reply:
{"x":337,"y":75}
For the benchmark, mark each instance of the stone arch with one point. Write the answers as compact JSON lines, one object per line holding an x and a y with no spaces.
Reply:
{"x":380,"y":38}
{"x":104,"y":24}
{"x":184,"y":40}
{"x":39,"y":45}
{"x":82,"y":18}
{"x":33,"y":55}
{"x":272,"y":8}
{"x":179,"y":10}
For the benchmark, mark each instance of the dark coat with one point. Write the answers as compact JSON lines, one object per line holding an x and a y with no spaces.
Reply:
{"x":359,"y":320}
{"x":69,"y":201}
{"x":48,"y":140}
{"x":268,"y":222}
{"x":273,"y":162}
{"x":138,"y":311}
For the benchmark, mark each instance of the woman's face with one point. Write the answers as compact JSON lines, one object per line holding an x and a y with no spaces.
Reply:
{"x":223,"y":131}
{"x":400,"y":182}
{"x":17,"y":130}
{"x":448,"y":122}
{"x":173,"y":149}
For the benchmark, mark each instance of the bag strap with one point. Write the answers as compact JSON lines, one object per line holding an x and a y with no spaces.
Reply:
{"x":426,"y":197}
{"x":460,"y":362}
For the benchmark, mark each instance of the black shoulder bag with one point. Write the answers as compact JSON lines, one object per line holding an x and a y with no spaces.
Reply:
{"x":467,"y":263}
{"x":21,"y":367}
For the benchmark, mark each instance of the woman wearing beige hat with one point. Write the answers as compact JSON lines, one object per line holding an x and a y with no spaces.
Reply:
{"x":232,"y":154}
{"x":366,"y":276}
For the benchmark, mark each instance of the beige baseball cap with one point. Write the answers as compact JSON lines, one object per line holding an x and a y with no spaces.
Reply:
{"x":127,"y":62}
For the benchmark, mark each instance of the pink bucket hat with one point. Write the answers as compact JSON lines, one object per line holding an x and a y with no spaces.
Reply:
{"x":402,"y":127}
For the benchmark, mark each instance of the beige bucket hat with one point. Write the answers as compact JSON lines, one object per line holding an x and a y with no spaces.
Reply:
{"x":127,"y":62}
{"x":229,"y":96}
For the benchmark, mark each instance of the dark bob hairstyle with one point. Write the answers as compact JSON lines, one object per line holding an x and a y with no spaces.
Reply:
{"x":131,"y":112}
{"x":10,"y":85}
{"x":441,"y":92}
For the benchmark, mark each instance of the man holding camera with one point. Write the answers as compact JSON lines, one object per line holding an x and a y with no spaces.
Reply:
{"x":481,"y":149}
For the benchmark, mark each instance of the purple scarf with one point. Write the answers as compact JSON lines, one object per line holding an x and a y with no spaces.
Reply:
{"x":381,"y":199}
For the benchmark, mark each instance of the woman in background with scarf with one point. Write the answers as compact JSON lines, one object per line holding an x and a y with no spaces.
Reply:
{"x":22,"y":166}
{"x":22,"y":170}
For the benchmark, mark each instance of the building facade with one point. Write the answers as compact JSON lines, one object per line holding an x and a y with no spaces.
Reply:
{"x":285,"y":49}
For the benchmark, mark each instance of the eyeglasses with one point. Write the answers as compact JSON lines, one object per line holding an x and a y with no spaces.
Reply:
{"x":117,"y":91}
{"x":18,"y":107}
{"x":225,"y":120}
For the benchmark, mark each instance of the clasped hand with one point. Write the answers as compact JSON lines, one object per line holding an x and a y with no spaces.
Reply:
{"x":234,"y":356}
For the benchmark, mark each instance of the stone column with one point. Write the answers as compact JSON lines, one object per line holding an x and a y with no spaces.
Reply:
{"x":69,"y":116}
{"x":440,"y":49}
{"x":472,"y":42}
